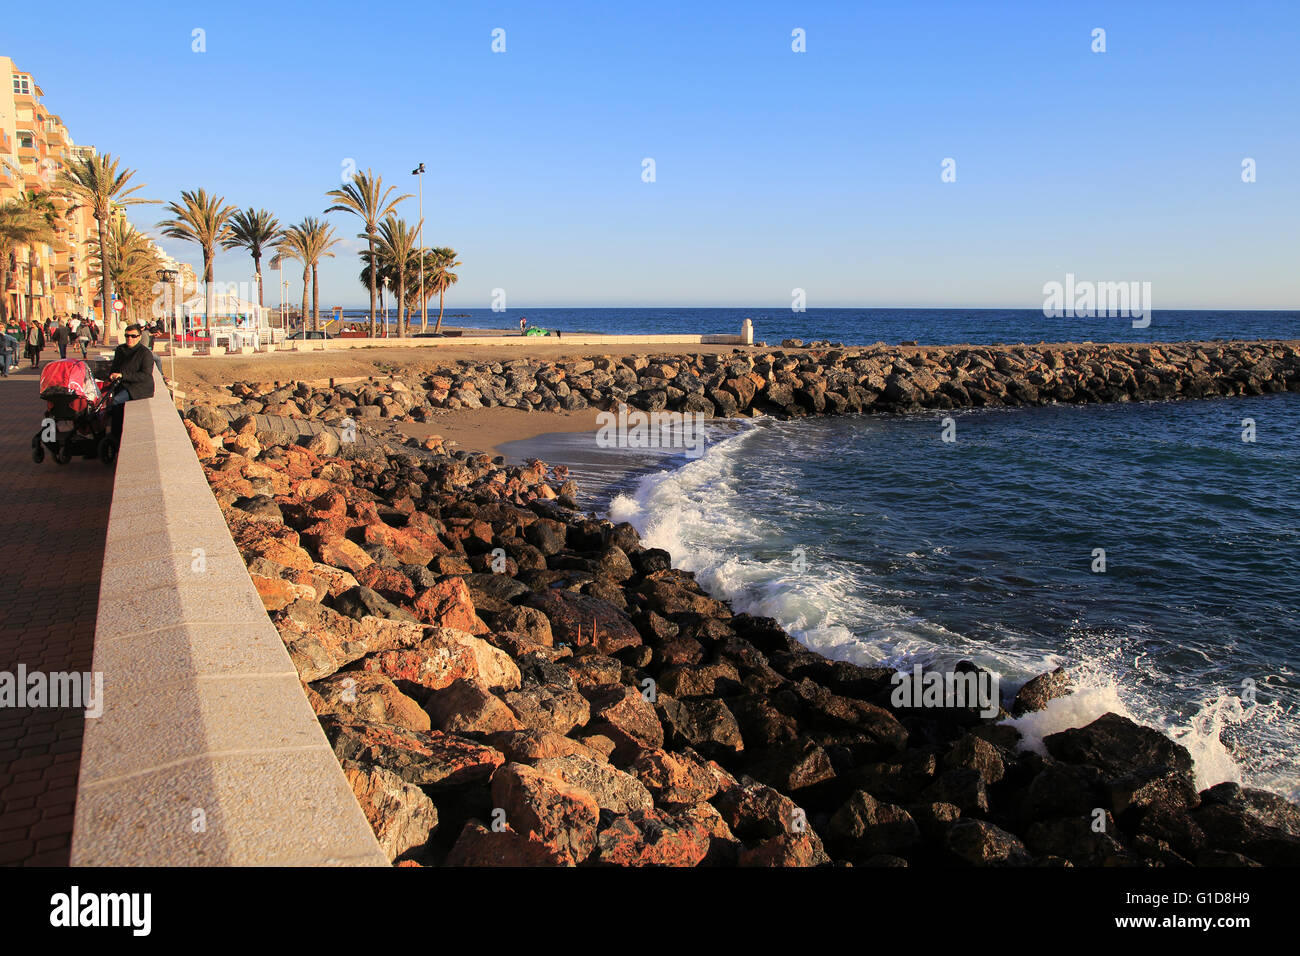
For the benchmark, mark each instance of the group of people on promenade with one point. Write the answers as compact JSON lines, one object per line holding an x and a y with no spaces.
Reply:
{"x":35,"y":336}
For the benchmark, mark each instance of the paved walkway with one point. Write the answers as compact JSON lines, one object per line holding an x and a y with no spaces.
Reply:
{"x":52,"y":526}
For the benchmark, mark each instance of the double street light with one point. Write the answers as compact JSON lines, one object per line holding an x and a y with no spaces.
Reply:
{"x":418,"y":172}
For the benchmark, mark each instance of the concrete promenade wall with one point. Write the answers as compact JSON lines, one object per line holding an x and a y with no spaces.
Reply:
{"x":207,"y":752}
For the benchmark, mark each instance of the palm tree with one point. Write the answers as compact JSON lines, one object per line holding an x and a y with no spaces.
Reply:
{"x":366,"y":198}
{"x":20,"y":225}
{"x":40,"y":204}
{"x":443,"y":278}
{"x":396,"y":246}
{"x":253,"y":229}
{"x":133,"y":264}
{"x":95,"y":182}
{"x":309,"y":242}
{"x":204,"y":220}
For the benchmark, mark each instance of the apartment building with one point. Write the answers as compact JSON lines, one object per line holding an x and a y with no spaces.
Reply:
{"x":35,"y":145}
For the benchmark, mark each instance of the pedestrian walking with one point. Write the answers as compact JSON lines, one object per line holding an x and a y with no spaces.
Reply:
{"x":62,"y":336}
{"x":8,"y":353}
{"x":35,"y":342}
{"x":83,"y":339}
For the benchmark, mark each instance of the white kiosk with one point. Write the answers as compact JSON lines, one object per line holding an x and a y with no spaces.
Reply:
{"x":235,"y":323}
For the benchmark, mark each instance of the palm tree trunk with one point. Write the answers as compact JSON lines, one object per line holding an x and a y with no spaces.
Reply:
{"x":306,"y":284}
{"x":209,"y":298}
{"x":257,"y":267}
{"x":105,"y":283}
{"x":31,"y":260}
{"x":438,"y":328}
{"x":374,"y":272}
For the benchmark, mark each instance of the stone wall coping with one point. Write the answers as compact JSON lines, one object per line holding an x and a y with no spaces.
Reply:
{"x":207,"y":751}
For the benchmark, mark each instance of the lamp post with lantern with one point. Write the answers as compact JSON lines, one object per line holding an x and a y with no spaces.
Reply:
{"x":418,"y":173}
{"x":168,"y":278}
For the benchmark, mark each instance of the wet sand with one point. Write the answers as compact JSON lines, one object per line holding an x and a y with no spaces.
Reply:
{"x":487,"y":429}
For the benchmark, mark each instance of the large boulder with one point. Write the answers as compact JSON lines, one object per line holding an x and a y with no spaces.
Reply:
{"x":613,"y":790}
{"x":449,"y":604}
{"x":320,"y":640}
{"x":549,"y":708}
{"x":626,"y":718}
{"x":581,"y":620}
{"x":980,"y":843}
{"x":467,"y":707}
{"x":655,"y":838}
{"x":363,"y":696}
{"x":544,"y":807}
{"x":434,"y":759}
{"x":1256,"y":823}
{"x":704,"y":724}
{"x":400,"y":813}
{"x":864,"y":827}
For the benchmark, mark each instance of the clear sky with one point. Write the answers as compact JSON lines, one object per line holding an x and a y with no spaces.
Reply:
{"x":774,"y":169}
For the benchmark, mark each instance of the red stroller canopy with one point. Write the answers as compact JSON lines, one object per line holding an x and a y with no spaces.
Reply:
{"x":70,"y":375}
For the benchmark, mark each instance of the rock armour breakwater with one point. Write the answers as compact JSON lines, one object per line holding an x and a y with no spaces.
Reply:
{"x":790,"y":383}
{"x":508,"y":681}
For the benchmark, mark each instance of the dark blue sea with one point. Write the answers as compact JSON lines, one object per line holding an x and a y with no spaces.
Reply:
{"x":865,"y":326}
{"x":873,"y":540}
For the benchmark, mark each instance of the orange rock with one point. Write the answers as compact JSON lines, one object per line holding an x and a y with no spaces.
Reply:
{"x":409,"y":544}
{"x":449,"y":604}
{"x":435,"y":663}
{"x":389,"y":582}
{"x":541,"y":806}
{"x":311,"y":488}
{"x":342,"y":553}
{"x":202,"y":441}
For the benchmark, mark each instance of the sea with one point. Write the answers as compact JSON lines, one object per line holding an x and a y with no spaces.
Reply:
{"x":1152,"y":548}
{"x":892,"y":326}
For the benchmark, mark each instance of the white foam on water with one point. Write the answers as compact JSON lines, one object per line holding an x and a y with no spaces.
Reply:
{"x":701,"y":515}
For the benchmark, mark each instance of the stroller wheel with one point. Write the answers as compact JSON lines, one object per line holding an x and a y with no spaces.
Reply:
{"x":107,"y":451}
{"x":62,"y":455}
{"x":38,"y":453}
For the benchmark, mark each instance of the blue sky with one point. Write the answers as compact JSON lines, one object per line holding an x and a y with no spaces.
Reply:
{"x":774,"y":169}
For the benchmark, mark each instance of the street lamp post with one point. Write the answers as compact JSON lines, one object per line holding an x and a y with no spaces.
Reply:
{"x":168,"y":277}
{"x":418,"y":173}
{"x":284,"y":289}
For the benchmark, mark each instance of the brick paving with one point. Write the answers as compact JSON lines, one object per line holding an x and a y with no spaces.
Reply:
{"x":53,"y":520}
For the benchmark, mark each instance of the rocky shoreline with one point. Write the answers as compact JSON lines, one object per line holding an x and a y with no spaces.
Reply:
{"x":507,"y":681}
{"x":795,"y":382}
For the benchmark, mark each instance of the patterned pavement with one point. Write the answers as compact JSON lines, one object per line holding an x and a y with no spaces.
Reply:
{"x":53,"y":520}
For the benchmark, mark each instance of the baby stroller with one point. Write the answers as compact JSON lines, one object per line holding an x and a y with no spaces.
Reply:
{"x":76,"y":420}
